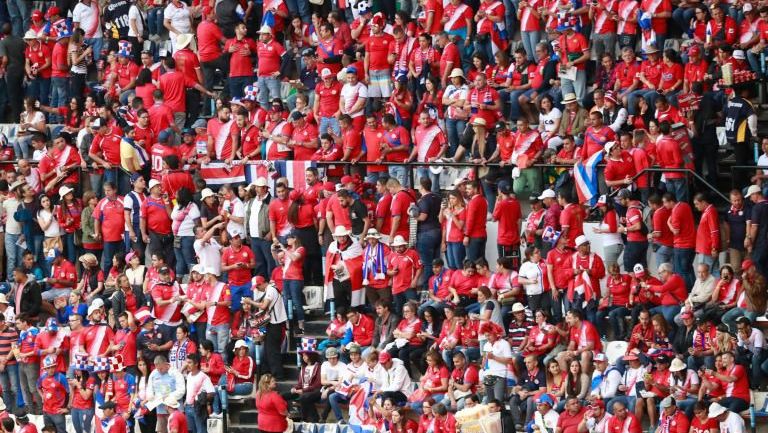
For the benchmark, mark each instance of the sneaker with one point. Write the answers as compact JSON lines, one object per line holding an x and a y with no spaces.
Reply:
{"x":299,"y":332}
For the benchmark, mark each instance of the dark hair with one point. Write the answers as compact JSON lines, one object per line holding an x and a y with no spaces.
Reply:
{"x":194,"y":357}
{"x":144,"y":77}
{"x":207,"y":345}
{"x":665,"y":127}
{"x":172,"y":161}
{"x":183,"y":197}
{"x":293,"y":210}
{"x":170,"y":63}
{"x":426,"y":183}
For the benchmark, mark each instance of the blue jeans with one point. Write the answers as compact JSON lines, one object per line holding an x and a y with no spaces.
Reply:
{"x":428,"y":247}
{"x":21,"y":146}
{"x":423,"y":172}
{"x":155,"y":20}
{"x":664,"y":254}
{"x":616,"y":316}
{"x":471,"y":353}
{"x":756,"y":61}
{"x":185,"y":256}
{"x":237,"y":294}
{"x":59,"y":95}
{"x":20,"y":12}
{"x":12,"y":254}
{"x":335,"y":400}
{"x":476,"y":248}
{"x":454,"y":130}
{"x":682,"y":17}
{"x":530,"y":39}
{"x":292,"y":289}
{"x":514,"y":104}
{"x":729,"y":318}
{"x":40,"y":89}
{"x":9,"y":380}
{"x":264,"y":261}
{"x":81,"y":420}
{"x":577,"y":86}
{"x":269,"y":87}
{"x":678,"y":187}
{"x":240,"y":389}
{"x":195,"y":423}
{"x":668,"y":311}
{"x":455,"y":254}
{"x":96,"y":43}
{"x":329,"y":122}
{"x":400,"y":299}
{"x":219,"y":336}
{"x":56,"y":419}
{"x":683,"y":263}
{"x":400,"y":173}
{"x":237,"y":84}
{"x":110,"y":248}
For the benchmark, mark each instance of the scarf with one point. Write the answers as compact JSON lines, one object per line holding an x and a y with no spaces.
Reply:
{"x":178,"y":353}
{"x":375,"y":263}
{"x":437,"y":282}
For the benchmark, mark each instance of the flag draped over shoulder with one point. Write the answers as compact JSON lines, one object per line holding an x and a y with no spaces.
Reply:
{"x":585,"y":177}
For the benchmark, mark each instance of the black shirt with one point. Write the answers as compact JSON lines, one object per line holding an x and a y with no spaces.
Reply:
{"x":116,"y":14}
{"x":357,"y":213}
{"x":429,"y":204}
{"x":760,"y":217}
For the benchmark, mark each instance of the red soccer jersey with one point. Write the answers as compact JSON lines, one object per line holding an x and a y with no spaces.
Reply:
{"x":108,"y":146}
{"x":37,"y":58}
{"x":401,"y":201}
{"x":572,"y":217}
{"x":208,"y":38}
{"x":53,"y":389}
{"x":708,"y":232}
{"x":230,"y":256}
{"x":177,"y":422}
{"x":126,"y":73}
{"x":303,"y":135}
{"x":187,"y":63}
{"x":175,"y":180}
{"x":477,"y":211}
{"x":174,"y":87}
{"x":64,"y":271}
{"x":582,"y":335}
{"x":627,"y":74}
{"x":127,"y":340}
{"x":562,"y":273}
{"x":156,"y":156}
{"x":240,"y":64}
{"x":278,"y":214}
{"x":657,"y":7}
{"x":670,"y":75}
{"x":328,"y":98}
{"x":450,"y":55}
{"x":219,"y":314}
{"x":293,"y":269}
{"x":630,"y":424}
{"x":681,"y":219}
{"x":574,"y":47}
{"x":377,"y":48}
{"x":156,"y":214}
{"x":660,"y":218}
{"x":464,"y":283}
{"x":160,"y":117}
{"x":397,"y":137}
{"x":406,"y":264}
{"x":59,"y":66}
{"x":621,"y":168}
{"x":329,"y":48}
{"x":269,"y":55}
{"x":635,"y":215}
{"x":78,"y":402}
{"x":110,"y":214}
{"x":652,"y":72}
{"x":508,"y":214}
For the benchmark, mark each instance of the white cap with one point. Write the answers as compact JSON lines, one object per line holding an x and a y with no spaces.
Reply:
{"x":325,"y":73}
{"x":239,"y":344}
{"x":64,"y":190}
{"x":739,"y":54}
{"x":517,"y":307}
{"x":667,"y":402}
{"x":609,"y":146}
{"x":265,"y":29}
{"x":200,"y":269}
{"x":581,"y":240}
{"x":92,"y":309}
{"x":638,"y":269}
{"x":753,"y":189}
{"x":747,"y":7}
{"x":600,"y":357}
{"x":205,"y":193}
{"x":260,"y":181}
{"x":399,"y":241}
{"x":341,"y":231}
{"x":170,"y":401}
{"x":548,"y":193}
{"x":153,"y":183}
{"x":716,"y":410}
{"x":677,"y":365}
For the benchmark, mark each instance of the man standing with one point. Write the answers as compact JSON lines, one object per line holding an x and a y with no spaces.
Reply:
{"x":741,"y":130}
{"x":756,"y":241}
{"x":54,"y":388}
{"x":475,"y":235}
{"x":377,"y":72}
{"x":240,"y":67}
{"x":681,"y":224}
{"x":269,"y":299}
{"x":132,"y":214}
{"x":87,"y":16}
{"x":669,"y":155}
{"x":105,"y":149}
{"x":109,"y":224}
{"x":164,"y":386}
{"x":269,"y":53}
{"x":238,"y":261}
{"x":12,"y":62}
{"x":155,"y":222}
{"x":707,"y":233}
{"x":258,"y":227}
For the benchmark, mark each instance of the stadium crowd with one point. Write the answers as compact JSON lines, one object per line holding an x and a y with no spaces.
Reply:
{"x":148,"y":281}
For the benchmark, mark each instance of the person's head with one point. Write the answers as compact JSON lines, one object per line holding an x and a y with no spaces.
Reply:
{"x":744,"y":325}
{"x":659,"y":324}
{"x":596,"y":119}
{"x":572,"y":405}
{"x":267,"y":383}
{"x":728,"y":359}
{"x":702,"y":271}
{"x":666,"y":270}
{"x":193,"y":362}
{"x":382,"y":308}
{"x":574,"y":317}
{"x":668,"y":200}
{"x":481,"y":80}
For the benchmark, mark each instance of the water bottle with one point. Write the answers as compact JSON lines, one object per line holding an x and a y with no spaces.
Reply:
{"x":257,"y":353}
{"x":290,"y":309}
{"x":298,"y":357}
{"x":333,"y":308}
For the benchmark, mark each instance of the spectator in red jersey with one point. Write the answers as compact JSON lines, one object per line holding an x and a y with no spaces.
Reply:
{"x":682,"y":226}
{"x":209,"y":47}
{"x":475,"y":235}
{"x":571,"y":218}
{"x":156,"y":224}
{"x":239,"y":375}
{"x":649,"y":76}
{"x":29,"y":368}
{"x":109,"y":224}
{"x":707,"y":233}
{"x":160,"y":115}
{"x":326,"y":104}
{"x":174,"y":85}
{"x":405,"y":268}
{"x":269,"y":53}
{"x":734,"y":377}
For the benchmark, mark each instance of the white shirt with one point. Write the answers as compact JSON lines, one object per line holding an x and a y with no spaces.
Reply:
{"x":502,"y":349}
{"x":53,"y":228}
{"x":756,"y":340}
{"x":608,"y":386}
{"x":196,"y":384}
{"x":630,"y":379}
{"x":187,"y":227}
{"x":238,"y":211}
{"x":179,"y":18}
{"x":208,"y":254}
{"x":350,"y":94}
{"x":548,"y":120}
{"x":10,"y":205}
{"x":396,"y":378}
{"x":135,"y":14}
{"x":333,"y":372}
{"x":278,"y":314}
{"x":87,"y":16}
{"x":532,"y":271}
{"x":253,"y":220}
{"x":733,"y":424}
{"x":762,"y":161}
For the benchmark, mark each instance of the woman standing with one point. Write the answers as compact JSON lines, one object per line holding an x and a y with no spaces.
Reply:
{"x":608,"y":229}
{"x":182,"y":347}
{"x":533,"y":277}
{"x":68,"y":214}
{"x":80,"y":56}
{"x":183,"y":218}
{"x":49,"y":224}
{"x":293,"y":280}
{"x":91,"y":245}
{"x":81,"y":400}
{"x":147,"y":418}
{"x":456,"y":116}
{"x":301,"y":214}
{"x":452,"y":218}
{"x":496,"y":362}
{"x":272,"y":408}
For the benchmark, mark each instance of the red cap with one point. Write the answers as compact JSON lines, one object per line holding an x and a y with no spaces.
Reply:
{"x":746,"y":264}
{"x":37,"y":14}
{"x":597,"y":403}
{"x":694,"y":50}
{"x":379,"y":20}
{"x":54,"y":10}
{"x":258,"y":279}
{"x":329,"y":186}
{"x":347,"y":179}
{"x":384,"y":357}
{"x":631,"y":357}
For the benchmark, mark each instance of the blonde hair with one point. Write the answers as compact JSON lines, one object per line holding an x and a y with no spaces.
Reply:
{"x":264,"y":382}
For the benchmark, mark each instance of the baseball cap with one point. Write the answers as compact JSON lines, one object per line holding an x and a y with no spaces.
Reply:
{"x":384,"y":357}
{"x":163,"y":136}
{"x":753,"y":189}
{"x":258,"y":279}
{"x":638,"y":269}
{"x":600,"y":357}
{"x":548,"y":193}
